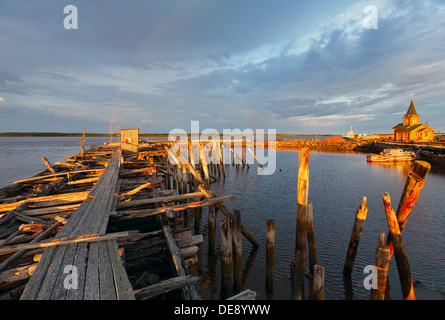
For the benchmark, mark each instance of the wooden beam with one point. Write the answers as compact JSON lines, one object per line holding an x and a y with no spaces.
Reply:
{"x":76,"y":196}
{"x":165,"y":286}
{"x":123,"y":215}
{"x":136,"y":203}
{"x":48,"y":165}
{"x":56,"y":175}
{"x":58,"y":242}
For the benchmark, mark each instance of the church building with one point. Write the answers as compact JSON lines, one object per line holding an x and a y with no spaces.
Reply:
{"x":411,"y":130}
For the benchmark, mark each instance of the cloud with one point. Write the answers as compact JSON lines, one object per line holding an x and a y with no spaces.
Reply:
{"x":2,"y":99}
{"x":228,"y":63}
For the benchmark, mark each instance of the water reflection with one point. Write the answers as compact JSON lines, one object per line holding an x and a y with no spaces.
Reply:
{"x":338,"y":183}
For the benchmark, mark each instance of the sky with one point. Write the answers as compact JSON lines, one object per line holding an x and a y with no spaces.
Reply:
{"x":299,"y":67}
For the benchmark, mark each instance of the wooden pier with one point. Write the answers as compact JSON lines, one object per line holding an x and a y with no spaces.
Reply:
{"x":106,"y":224}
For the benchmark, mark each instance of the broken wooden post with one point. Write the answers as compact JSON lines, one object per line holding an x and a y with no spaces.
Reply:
{"x":203,"y":157}
{"x":414,"y":183}
{"x":253,"y":154}
{"x":382,"y":258}
{"x":237,"y":250}
{"x":399,"y":251}
{"x":301,"y":234}
{"x":226,"y":258}
{"x":318,"y":288}
{"x":82,"y":151}
{"x":359,"y":222}
{"x":270,"y":252}
{"x":48,"y":165}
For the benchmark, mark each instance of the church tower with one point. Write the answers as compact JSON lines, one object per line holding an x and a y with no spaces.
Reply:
{"x":411,"y":117}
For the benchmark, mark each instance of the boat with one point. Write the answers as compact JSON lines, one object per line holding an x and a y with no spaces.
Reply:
{"x":393,"y":155}
{"x":350,"y":134}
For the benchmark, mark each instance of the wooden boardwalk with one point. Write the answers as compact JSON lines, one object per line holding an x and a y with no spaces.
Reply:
{"x":107,"y":224}
{"x":85,"y":270}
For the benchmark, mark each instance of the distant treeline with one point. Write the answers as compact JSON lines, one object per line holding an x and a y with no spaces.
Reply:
{"x":68,"y":134}
{"x":51,"y":134}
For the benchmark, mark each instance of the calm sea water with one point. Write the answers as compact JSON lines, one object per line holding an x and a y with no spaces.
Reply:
{"x":338,"y":183}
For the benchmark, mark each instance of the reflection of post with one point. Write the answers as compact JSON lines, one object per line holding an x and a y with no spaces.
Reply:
{"x":212,"y":229}
{"x":237,"y":250}
{"x":301,"y":234}
{"x":318,"y":283}
{"x":382,"y":263}
{"x":226,"y":259}
{"x":249,"y":263}
{"x":270,"y":250}
{"x":311,"y":245}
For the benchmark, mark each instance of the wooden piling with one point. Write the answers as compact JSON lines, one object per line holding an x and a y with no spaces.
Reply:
{"x":382,"y":258}
{"x":359,"y":222}
{"x":206,"y":190}
{"x":270,"y":252}
{"x":226,"y":258}
{"x":413,"y":185}
{"x":399,"y":251}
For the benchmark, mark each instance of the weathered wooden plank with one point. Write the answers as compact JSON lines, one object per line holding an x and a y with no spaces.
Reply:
{"x":53,"y":274}
{"x":124,"y":291}
{"x":244,"y":295}
{"x":92,"y":291}
{"x":59,"y":290}
{"x":19,"y":274}
{"x":136,"y":203}
{"x":165,"y":286}
{"x":50,"y":210}
{"x":20,"y":253}
{"x":60,"y":242}
{"x":56,"y":175}
{"x":106,"y":282}
{"x":174,"y":208}
{"x":34,"y":284}
{"x":79,"y":196}
{"x":79,"y":263}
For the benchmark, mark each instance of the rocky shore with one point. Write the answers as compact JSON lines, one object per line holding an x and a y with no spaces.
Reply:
{"x":336,"y":144}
